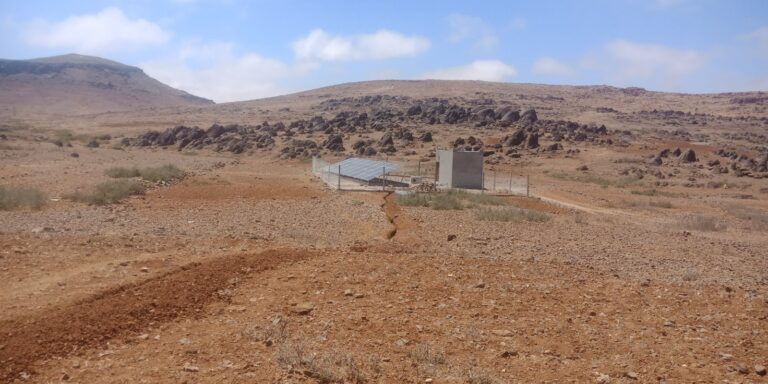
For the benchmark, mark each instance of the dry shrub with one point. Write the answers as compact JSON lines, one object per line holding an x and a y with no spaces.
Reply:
{"x":702,"y":223}
{"x":335,"y":367}
{"x":165,"y":173}
{"x":756,"y":219}
{"x":479,"y":376}
{"x":273,"y":333}
{"x":20,"y":197}
{"x":109,"y":192}
{"x":424,"y":354}
{"x":660,"y":204}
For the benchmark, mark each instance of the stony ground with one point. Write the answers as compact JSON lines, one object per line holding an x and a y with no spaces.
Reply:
{"x":251,"y":270}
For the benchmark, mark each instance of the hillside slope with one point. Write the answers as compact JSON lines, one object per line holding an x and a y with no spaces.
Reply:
{"x":77,"y":84}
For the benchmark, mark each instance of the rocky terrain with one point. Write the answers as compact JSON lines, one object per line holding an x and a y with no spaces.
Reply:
{"x":638,"y":257}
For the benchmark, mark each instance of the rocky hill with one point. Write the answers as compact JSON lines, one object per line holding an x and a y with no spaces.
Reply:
{"x":77,"y":84}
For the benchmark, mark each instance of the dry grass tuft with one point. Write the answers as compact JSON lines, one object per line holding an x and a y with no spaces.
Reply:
{"x":334,"y":367}
{"x":165,"y":173}
{"x":702,"y":223}
{"x":109,"y":192}
{"x":20,"y":197}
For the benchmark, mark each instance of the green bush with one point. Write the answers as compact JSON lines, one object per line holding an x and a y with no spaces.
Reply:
{"x":413,"y":200}
{"x":20,"y":197}
{"x":445,"y":201}
{"x":110,"y":192}
{"x":450,"y":199}
{"x":510,"y":214}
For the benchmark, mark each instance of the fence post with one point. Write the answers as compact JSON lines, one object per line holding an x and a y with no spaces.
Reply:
{"x":494,"y":180}
{"x":527,"y":186}
{"x":418,"y":172}
{"x":384,"y":178}
{"x":338,"y":179}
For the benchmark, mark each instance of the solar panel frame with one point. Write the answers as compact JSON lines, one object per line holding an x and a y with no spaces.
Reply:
{"x":362,"y":169}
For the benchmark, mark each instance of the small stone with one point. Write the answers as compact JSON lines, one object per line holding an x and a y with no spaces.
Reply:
{"x":303,"y":308}
{"x":236,"y":308}
{"x":402,"y":342}
{"x":480,"y":285}
{"x":428,"y":380}
{"x":76,"y":364}
{"x":184,"y":341}
{"x":669,"y":323}
{"x":145,"y":269}
{"x":190,"y":368}
{"x":359,"y":296}
{"x":760,"y":370}
{"x":742,"y":368}
{"x":632,"y":375}
{"x":603,"y":379}
{"x":509,"y":353}
{"x":123,"y":263}
{"x":143,"y":336}
{"x":348,"y":292}
{"x":65,"y":377}
{"x":502,"y":332}
{"x":726,"y":357}
{"x":451,"y":237}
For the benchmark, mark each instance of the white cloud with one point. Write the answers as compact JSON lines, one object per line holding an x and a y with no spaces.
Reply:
{"x":107,"y":31}
{"x":215,"y":71}
{"x":487,"y":70}
{"x":625,"y":62}
{"x":464,"y":27}
{"x":551,"y":67}
{"x":382,"y":44}
{"x":760,"y":36}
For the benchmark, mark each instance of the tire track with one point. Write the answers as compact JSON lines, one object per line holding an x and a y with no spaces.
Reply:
{"x":128,"y":309}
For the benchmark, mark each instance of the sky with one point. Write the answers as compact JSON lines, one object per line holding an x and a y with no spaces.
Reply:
{"x":229,"y":50}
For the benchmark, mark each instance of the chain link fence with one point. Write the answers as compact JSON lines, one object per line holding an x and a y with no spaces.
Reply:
{"x":413,"y":173}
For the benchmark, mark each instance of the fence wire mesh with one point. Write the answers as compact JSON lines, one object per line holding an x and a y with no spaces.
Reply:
{"x":412,"y":173}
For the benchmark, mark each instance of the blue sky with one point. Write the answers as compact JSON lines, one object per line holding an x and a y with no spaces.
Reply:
{"x":235,"y":50}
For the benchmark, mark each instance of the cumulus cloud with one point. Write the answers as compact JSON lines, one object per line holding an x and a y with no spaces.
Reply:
{"x":109,"y":30}
{"x":382,"y":44}
{"x":637,"y":61}
{"x":471,"y":28}
{"x":487,"y":70}
{"x":217,"y":72}
{"x":625,"y":62}
{"x":551,"y":67}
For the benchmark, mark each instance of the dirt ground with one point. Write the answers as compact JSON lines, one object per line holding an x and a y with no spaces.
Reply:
{"x":251,"y":269}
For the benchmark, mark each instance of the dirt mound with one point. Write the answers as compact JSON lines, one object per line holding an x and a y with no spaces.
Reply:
{"x":129,"y":308}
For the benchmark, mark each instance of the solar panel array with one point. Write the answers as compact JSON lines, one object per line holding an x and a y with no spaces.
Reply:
{"x":362,"y":169}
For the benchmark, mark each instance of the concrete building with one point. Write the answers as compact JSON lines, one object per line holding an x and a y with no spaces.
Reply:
{"x":458,"y":169}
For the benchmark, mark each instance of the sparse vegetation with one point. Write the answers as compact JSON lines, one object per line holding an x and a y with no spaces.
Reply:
{"x":424,"y":354}
{"x":756,"y":219}
{"x":655,"y":192}
{"x":703,"y":223}
{"x":110,"y":192}
{"x":20,"y":197}
{"x":622,"y":182}
{"x":325,"y":368}
{"x":452,"y":199}
{"x":165,"y":173}
{"x":478,"y":376}
{"x":510,"y":214}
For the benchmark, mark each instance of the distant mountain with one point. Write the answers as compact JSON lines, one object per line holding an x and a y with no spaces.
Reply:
{"x":77,"y":84}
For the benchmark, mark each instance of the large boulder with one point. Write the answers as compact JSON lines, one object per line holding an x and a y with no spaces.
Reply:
{"x":532,"y":141}
{"x":515,"y":139}
{"x":688,"y":156}
{"x":414,"y":110}
{"x":386,"y":140}
{"x":529,"y":117}
{"x":334,"y":143}
{"x":511,"y":117}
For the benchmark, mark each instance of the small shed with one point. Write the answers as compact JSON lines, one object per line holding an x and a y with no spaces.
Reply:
{"x":459,"y":169}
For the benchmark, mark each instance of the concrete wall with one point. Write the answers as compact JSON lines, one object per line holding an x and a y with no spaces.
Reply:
{"x":460,"y":169}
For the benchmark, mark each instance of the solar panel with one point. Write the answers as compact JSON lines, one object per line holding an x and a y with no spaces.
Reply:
{"x":362,"y":169}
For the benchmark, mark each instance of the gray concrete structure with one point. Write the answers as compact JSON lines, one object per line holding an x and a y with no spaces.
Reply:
{"x":460,"y":169}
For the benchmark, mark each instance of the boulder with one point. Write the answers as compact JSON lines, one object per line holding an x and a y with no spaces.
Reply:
{"x":688,"y":156}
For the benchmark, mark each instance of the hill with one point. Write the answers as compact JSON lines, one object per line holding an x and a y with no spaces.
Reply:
{"x":77,"y":84}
